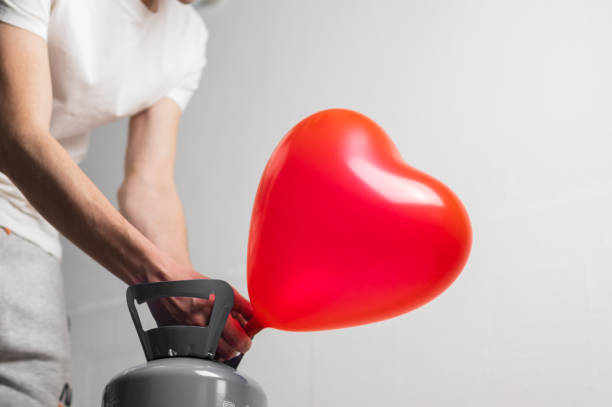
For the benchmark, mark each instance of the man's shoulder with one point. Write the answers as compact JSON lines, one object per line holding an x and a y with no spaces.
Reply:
{"x":186,"y":18}
{"x":188,"y":30}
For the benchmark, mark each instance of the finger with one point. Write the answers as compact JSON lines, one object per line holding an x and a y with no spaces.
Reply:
{"x":252,"y":327}
{"x":225,"y":351}
{"x":242,"y":305}
{"x":235,"y":336}
{"x":199,"y":312}
{"x":238,"y":317}
{"x":160,"y":313}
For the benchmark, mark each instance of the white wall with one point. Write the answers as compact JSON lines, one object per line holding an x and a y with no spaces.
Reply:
{"x":508,"y":102}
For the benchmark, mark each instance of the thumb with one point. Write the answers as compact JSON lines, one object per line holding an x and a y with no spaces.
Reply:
{"x":253,"y":327}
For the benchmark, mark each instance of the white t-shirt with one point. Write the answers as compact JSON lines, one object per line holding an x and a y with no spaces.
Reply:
{"x":109,"y":59}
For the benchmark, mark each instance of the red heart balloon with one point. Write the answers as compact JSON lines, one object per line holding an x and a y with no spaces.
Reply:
{"x":344,"y":233}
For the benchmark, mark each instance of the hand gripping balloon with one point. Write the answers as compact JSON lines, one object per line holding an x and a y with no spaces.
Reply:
{"x":344,"y":232}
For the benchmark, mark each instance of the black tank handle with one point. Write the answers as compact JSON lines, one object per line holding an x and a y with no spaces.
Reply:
{"x":182,"y":340}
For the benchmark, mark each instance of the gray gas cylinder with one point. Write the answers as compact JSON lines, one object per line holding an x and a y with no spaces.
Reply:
{"x":181,"y":369}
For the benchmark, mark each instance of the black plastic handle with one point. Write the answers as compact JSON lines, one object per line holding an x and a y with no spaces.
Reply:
{"x":182,"y":340}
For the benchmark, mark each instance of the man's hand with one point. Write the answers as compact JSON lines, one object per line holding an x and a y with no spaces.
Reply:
{"x":196,"y":311}
{"x":149,"y":200}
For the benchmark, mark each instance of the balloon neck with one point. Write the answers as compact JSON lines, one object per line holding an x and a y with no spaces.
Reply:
{"x":253,"y":326}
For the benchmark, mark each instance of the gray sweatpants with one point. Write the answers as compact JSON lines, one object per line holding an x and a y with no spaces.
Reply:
{"x":34,"y":345}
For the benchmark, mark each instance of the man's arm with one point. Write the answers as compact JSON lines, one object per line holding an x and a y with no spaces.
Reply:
{"x":148,"y":197}
{"x":149,"y":200}
{"x":44,"y":172}
{"x":40,"y":167}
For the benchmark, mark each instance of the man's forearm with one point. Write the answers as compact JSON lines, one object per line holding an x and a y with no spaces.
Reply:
{"x":51,"y":181}
{"x":157,"y":212}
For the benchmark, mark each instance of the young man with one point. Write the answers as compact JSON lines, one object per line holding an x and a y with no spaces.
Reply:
{"x":67,"y":66}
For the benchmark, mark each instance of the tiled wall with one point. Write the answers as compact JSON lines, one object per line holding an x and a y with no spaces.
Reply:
{"x":506,"y":102}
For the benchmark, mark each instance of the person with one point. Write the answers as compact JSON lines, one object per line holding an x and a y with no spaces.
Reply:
{"x":67,"y":66}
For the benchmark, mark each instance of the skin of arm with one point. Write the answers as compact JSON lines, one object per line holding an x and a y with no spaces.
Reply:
{"x":149,"y":200}
{"x":148,"y":197}
{"x":59,"y":190}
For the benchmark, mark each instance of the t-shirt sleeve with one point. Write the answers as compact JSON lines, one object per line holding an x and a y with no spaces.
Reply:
{"x":182,"y":92}
{"x":31,"y":15}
